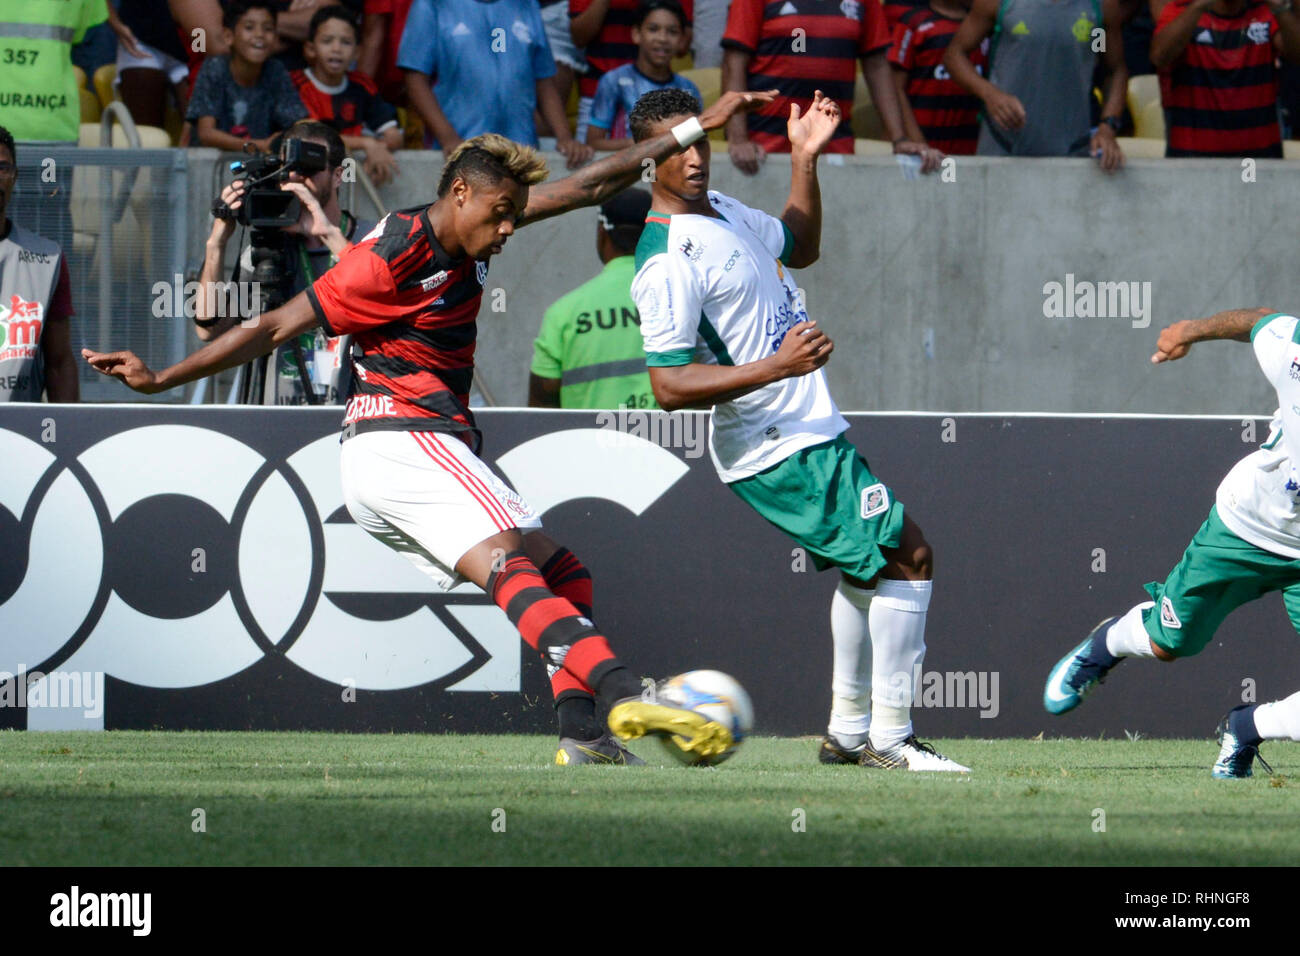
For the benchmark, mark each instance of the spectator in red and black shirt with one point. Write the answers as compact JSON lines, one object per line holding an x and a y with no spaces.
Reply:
{"x":604,"y":27}
{"x":896,"y":10}
{"x":381,"y":35}
{"x":1218,"y":75}
{"x":798,"y":47}
{"x":937,"y":110}
{"x":347,"y":100}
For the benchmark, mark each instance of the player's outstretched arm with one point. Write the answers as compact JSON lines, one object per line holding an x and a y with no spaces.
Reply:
{"x":241,"y":344}
{"x":809,"y":133}
{"x":1175,"y":340}
{"x":593,"y":184}
{"x":804,"y":349}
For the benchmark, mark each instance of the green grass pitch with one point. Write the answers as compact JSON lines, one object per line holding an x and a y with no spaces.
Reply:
{"x":78,"y":799}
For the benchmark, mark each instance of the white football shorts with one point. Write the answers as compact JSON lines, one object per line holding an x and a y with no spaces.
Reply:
{"x":427,"y":496}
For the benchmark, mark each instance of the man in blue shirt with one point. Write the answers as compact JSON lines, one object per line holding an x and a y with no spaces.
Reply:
{"x":490,"y":66}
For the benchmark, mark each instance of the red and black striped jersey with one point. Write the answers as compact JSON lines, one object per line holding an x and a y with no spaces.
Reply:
{"x":799,"y":47}
{"x":1220,"y":95}
{"x":354,"y":107}
{"x":896,"y":10}
{"x":411,"y":310}
{"x":946,"y":112}
{"x":613,"y":46}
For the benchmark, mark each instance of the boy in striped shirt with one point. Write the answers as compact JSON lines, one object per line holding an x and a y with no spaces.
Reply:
{"x":937,"y":110}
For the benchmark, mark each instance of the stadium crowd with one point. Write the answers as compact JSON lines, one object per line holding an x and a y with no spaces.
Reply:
{"x":994,"y":77}
{"x":921,"y":78}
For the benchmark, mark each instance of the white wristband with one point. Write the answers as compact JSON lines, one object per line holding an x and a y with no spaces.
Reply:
{"x":688,"y":132}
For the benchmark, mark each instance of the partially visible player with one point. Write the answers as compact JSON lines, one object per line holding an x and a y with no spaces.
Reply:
{"x":409,"y":294}
{"x":1249,"y":546}
{"x":725,"y":327}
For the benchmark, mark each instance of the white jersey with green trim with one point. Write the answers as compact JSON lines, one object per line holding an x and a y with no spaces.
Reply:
{"x":1259,"y":499}
{"x":716,"y":290}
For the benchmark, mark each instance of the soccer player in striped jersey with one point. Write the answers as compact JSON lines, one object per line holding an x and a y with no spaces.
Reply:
{"x":1218,"y":75}
{"x":937,"y":110}
{"x":1249,"y":546}
{"x":409,"y":295}
{"x":725,"y":328}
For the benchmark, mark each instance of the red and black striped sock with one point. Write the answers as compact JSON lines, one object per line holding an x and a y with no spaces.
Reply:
{"x":554,"y":627}
{"x":575,"y":705}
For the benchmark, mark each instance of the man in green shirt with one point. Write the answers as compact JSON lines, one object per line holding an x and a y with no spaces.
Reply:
{"x":38,"y":99}
{"x":589,"y":352}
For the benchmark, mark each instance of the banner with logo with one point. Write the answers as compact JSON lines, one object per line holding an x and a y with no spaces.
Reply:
{"x":195,"y":568}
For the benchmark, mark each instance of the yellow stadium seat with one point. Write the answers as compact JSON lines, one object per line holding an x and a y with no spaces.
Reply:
{"x":1137,"y":148}
{"x":104,"y":77}
{"x":1144,"y":105}
{"x":80,"y":75}
{"x":90,"y":108}
{"x":872,"y":147}
{"x":1291,"y":149}
{"x":708,"y":79}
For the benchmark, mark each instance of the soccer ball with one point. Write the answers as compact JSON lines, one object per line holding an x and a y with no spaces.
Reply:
{"x":714,"y":695}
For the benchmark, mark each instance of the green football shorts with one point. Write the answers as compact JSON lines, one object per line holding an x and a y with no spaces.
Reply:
{"x":827,"y":499}
{"x":1219,"y":573}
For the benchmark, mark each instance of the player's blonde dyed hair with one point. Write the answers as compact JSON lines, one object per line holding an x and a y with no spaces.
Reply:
{"x":490,"y":157}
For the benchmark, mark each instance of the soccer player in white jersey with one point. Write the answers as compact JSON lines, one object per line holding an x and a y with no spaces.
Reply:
{"x":724,"y":328}
{"x":1247,"y":547}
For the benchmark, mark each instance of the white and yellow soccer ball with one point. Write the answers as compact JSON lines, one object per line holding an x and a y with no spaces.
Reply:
{"x":715,"y":696}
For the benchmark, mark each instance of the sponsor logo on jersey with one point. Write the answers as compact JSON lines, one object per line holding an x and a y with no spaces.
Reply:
{"x":480,"y":271}
{"x":787,"y":10}
{"x":731,"y":263}
{"x":25,"y":255}
{"x":1167,"y":616}
{"x":875,"y":500}
{"x":1295,"y":368}
{"x":521,"y":32}
{"x":435,"y":280}
{"x":460,"y":30}
{"x":691,"y":248}
{"x":369,"y":406}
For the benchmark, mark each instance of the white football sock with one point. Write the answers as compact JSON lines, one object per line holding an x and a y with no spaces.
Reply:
{"x":897,"y":619}
{"x":1279,"y":720}
{"x":1127,"y":637}
{"x":851,"y":675}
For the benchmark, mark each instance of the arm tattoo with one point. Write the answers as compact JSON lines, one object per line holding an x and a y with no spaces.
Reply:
{"x":593,"y":184}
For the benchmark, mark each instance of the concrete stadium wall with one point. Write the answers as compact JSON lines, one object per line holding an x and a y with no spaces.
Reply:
{"x":934,"y":290}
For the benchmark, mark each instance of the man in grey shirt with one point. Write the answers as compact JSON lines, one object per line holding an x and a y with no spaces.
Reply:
{"x":35,"y":305}
{"x":1038,"y":94}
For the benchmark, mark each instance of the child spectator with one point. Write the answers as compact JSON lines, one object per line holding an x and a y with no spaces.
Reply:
{"x":345,"y":99}
{"x":937,"y":110}
{"x":604,"y":29}
{"x":245,"y":96}
{"x":658,"y":32}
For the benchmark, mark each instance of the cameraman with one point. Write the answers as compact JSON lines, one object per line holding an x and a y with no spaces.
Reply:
{"x":315,"y":242}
